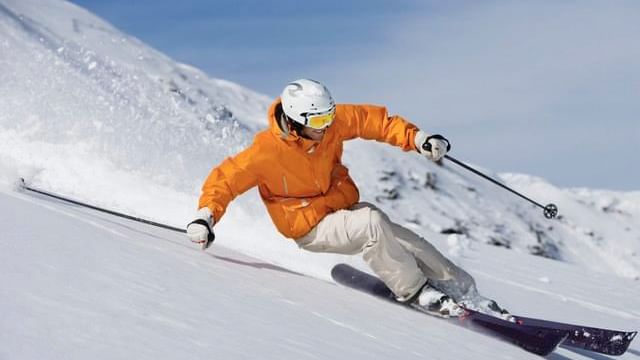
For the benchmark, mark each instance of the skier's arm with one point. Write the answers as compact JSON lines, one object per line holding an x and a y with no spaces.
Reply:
{"x":231,"y":178}
{"x":373,"y":122}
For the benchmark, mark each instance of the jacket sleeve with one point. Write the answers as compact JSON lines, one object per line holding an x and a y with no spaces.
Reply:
{"x":374,"y":123}
{"x":228,"y":180}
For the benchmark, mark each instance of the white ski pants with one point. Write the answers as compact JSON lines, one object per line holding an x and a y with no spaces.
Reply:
{"x":400,"y":257}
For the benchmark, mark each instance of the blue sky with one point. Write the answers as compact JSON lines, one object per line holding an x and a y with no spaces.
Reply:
{"x":548,"y":88}
{"x":259,"y":44}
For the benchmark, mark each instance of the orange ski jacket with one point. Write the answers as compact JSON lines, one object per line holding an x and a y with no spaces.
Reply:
{"x":301,"y":181}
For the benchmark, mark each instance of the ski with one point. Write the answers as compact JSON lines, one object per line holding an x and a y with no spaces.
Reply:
{"x":536,"y":339}
{"x":604,"y":341}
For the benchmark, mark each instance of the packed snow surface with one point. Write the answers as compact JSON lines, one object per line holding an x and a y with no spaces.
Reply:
{"x":91,"y":113}
{"x":79,"y":284}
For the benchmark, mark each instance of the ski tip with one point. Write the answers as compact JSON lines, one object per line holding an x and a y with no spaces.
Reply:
{"x":622,"y":345}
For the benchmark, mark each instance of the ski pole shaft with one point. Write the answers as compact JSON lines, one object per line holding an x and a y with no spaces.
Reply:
{"x":460,"y":163}
{"x":550,"y":210}
{"x":24,"y":186}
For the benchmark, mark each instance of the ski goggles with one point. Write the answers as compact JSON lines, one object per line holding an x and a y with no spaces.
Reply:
{"x":320,"y":121}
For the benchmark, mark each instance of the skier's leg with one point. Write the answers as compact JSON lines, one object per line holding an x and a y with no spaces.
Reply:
{"x":445,"y":275}
{"x":451,"y":278}
{"x":366,"y":229}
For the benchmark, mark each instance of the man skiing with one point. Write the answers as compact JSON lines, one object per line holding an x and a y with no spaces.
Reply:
{"x":297,"y":166}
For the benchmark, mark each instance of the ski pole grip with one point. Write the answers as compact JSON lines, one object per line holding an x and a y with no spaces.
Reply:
{"x":427,"y":146}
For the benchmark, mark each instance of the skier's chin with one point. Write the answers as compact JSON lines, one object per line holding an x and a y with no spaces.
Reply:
{"x":313,"y":134}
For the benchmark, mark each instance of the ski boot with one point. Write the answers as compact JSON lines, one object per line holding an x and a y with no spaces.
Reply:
{"x":499,"y":311}
{"x":489,"y":307}
{"x":433,"y":301}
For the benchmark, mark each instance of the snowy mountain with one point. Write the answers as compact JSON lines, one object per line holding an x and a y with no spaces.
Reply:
{"x":70,"y":78}
{"x":95,"y":114}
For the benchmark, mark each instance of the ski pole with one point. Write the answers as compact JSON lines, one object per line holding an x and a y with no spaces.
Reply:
{"x":550,"y":210}
{"x":24,"y":186}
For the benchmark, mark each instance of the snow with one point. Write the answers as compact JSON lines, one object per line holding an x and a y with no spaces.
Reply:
{"x":81,"y":284}
{"x":544,"y":279}
{"x":91,"y":113}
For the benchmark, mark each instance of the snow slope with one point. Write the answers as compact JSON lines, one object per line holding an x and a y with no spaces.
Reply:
{"x":71,"y":79}
{"x":92,"y":113}
{"x":79,"y":284}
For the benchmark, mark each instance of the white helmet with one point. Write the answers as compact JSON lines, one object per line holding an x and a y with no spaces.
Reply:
{"x":305,"y":97}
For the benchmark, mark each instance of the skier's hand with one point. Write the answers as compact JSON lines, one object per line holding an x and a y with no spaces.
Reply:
{"x":432,"y":147}
{"x":200,"y":230}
